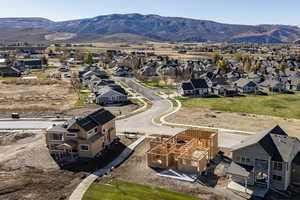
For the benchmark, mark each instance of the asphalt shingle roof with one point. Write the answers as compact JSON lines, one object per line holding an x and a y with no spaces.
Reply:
{"x":187,"y":86}
{"x":100,"y":117}
{"x":199,"y":83}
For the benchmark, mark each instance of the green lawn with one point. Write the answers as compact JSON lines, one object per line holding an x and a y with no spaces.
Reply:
{"x":38,"y":75}
{"x":82,"y":96}
{"x":121,"y":190}
{"x":8,"y":78}
{"x":280,"y":105}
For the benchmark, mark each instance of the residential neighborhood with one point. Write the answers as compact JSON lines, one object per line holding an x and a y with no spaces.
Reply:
{"x":192,"y":101}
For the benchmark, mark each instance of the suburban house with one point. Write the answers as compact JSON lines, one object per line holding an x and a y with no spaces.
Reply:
{"x":28,"y":64}
{"x":246,"y":86}
{"x":293,"y":84}
{"x":268,"y":160}
{"x":107,"y":95}
{"x":197,"y":87}
{"x":274,"y":86}
{"x":224,"y":90}
{"x":7,"y":71}
{"x":189,"y":151}
{"x":81,"y":137}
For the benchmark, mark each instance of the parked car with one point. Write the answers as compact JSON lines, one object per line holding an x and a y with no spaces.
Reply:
{"x":15,"y":116}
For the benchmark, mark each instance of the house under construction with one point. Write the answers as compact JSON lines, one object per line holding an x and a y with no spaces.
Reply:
{"x":188,"y":151}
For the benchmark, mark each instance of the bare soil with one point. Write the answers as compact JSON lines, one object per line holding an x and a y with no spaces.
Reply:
{"x":28,"y":172}
{"x":236,"y":121}
{"x":38,"y":99}
{"x":135,"y":170}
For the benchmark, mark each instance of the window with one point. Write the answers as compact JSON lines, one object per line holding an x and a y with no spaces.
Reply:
{"x":84,"y":147}
{"x":53,"y":146}
{"x":277,"y":178}
{"x":277,"y":165}
{"x":71,"y":135}
{"x":57,"y":137}
{"x":243,"y":159}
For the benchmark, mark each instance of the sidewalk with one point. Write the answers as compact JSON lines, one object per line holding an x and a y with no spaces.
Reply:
{"x":164,"y":122}
{"x":85,"y":184}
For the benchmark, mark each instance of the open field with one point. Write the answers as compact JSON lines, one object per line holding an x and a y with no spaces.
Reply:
{"x":281,"y":105}
{"x":47,"y":97}
{"x":236,"y":121}
{"x":36,"y":96}
{"x":116,"y":190}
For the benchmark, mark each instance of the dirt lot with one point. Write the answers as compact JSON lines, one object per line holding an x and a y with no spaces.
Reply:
{"x":38,"y":98}
{"x":28,"y":172}
{"x":135,"y":170}
{"x":238,"y":121}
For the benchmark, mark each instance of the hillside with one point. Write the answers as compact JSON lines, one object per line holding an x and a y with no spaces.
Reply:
{"x":154,"y":27}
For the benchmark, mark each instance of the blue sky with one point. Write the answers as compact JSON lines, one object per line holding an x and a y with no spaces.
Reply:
{"x":227,"y":11}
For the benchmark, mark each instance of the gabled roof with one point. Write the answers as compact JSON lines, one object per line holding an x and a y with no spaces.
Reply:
{"x":275,"y":142}
{"x":102,"y":116}
{"x":57,"y":128}
{"x":199,"y":83}
{"x":99,"y":117}
{"x":108,"y":91}
{"x":187,"y":86}
{"x":245,"y":82}
{"x":9,"y":70}
{"x":287,"y":147}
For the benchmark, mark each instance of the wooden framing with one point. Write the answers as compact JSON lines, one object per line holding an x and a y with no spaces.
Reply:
{"x":188,"y":151}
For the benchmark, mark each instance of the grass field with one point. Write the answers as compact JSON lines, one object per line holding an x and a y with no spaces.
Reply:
{"x":121,"y":190}
{"x":285,"y":105}
{"x":38,"y":75}
{"x":82,"y":96}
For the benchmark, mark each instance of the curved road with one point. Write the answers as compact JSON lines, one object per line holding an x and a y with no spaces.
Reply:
{"x":141,"y":122}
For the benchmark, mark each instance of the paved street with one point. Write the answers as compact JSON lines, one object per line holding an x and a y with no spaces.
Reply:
{"x":141,"y":122}
{"x":20,"y":124}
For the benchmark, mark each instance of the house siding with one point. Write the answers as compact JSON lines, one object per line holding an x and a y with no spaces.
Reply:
{"x":252,"y":152}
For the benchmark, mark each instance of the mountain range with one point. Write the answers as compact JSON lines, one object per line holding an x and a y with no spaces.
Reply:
{"x":123,"y":27}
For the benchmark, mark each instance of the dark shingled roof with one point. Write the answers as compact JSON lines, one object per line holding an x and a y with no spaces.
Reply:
{"x":199,"y":83}
{"x":187,"y":86}
{"x":297,"y":159}
{"x":100,"y":117}
{"x":275,"y":142}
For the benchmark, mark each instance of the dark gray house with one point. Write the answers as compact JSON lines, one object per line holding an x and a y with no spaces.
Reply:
{"x":269,"y":159}
{"x":197,"y":87}
{"x":28,"y":64}
{"x":246,"y":86}
{"x":7,"y":71}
